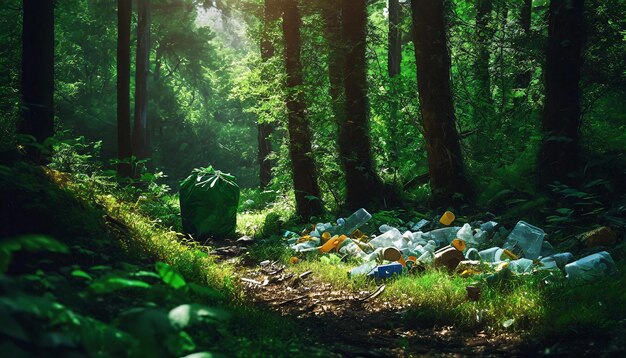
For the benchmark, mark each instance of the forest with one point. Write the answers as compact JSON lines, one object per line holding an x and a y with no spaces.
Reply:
{"x":359,"y":178}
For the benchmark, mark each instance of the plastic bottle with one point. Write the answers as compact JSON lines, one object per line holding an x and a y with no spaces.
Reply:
{"x":392,"y":237}
{"x":472,"y":254}
{"x":354,"y":221}
{"x":384,"y":228}
{"x":465,"y":233}
{"x":420,"y":224}
{"x":442,"y":236}
{"x":590,"y":267}
{"x":525,"y":240}
{"x":521,"y":266}
{"x":364,"y":269}
{"x":348,"y":247}
{"x":493,"y":254}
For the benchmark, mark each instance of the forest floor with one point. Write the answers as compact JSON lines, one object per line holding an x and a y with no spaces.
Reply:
{"x":354,"y":322}
{"x":277,"y":308}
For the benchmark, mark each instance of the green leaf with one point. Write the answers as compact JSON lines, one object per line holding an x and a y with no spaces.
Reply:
{"x":111,"y":284}
{"x":187,"y":315}
{"x":32,"y":243}
{"x":169,"y":276}
{"x":82,"y":274}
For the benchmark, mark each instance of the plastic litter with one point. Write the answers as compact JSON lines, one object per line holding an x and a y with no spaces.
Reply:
{"x":590,"y":267}
{"x":472,"y":254}
{"x":521,"y":266}
{"x":448,"y":257}
{"x":420,"y":224}
{"x":602,"y":236}
{"x":525,"y":240}
{"x":392,"y":237}
{"x":386,"y":271}
{"x":208,"y":203}
{"x":447,"y":218}
{"x":384,"y":228}
{"x":363,"y":269}
{"x":355,"y":221}
{"x":493,"y":254}
{"x":394,"y":253}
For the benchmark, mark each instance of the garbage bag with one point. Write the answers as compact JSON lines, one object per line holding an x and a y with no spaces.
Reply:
{"x":208,"y":203}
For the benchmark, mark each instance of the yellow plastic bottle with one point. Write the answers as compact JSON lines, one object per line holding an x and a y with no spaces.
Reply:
{"x":447,"y":218}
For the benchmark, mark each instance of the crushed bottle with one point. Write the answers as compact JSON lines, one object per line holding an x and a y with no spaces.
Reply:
{"x":525,"y":240}
{"x":590,"y":267}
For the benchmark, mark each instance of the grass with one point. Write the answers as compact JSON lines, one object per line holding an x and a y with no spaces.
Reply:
{"x":526,"y":304}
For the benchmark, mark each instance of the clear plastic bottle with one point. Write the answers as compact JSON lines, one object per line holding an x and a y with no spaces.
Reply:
{"x":392,"y":237}
{"x":525,"y":240}
{"x":354,"y":221}
{"x":590,"y":267}
{"x":384,"y":228}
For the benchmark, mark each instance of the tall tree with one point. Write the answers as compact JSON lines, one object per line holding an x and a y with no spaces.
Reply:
{"x":394,"y":61}
{"x":445,"y":162}
{"x":37,"y":69}
{"x":142,"y":72}
{"x":264,"y":130}
{"x":523,"y":78}
{"x":304,"y":170}
{"x":124,"y":149}
{"x":560,"y":150}
{"x":331,"y":13}
{"x":394,"y":37}
{"x":481,"y":64}
{"x":362,"y":184}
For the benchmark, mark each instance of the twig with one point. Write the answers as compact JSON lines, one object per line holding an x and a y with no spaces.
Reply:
{"x":249,"y":280}
{"x":375,"y":294}
{"x":292,"y":300}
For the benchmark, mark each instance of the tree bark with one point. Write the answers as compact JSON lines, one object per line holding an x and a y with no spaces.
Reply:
{"x":523,"y":79}
{"x":560,"y":150}
{"x":124,"y":144}
{"x":445,"y":162}
{"x":394,"y":61}
{"x":142,"y":72}
{"x":264,"y":130}
{"x":37,"y":82}
{"x":305,"y":185}
{"x":394,"y":53}
{"x":481,"y":65}
{"x":331,"y":13}
{"x":362,"y":184}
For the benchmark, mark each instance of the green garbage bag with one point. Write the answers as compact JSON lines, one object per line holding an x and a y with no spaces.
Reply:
{"x":208,"y":203}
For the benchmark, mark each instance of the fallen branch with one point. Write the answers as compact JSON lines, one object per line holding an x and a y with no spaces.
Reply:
{"x":249,"y":280}
{"x":292,"y":300}
{"x":375,"y":294}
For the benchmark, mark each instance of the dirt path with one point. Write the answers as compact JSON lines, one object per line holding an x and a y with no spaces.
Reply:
{"x":361,"y":324}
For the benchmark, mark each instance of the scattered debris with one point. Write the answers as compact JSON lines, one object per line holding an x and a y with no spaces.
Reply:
{"x":473,"y":293}
{"x":602,"y":236}
{"x":466,"y":250}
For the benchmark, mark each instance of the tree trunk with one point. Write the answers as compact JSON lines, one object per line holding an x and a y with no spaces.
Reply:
{"x":523,"y":79}
{"x":304,"y":172}
{"x":331,"y":14}
{"x":264,"y":130}
{"x":394,"y":61}
{"x":445,"y":162}
{"x":560,"y":151}
{"x":142,"y":72}
{"x":124,"y":149}
{"x":362,"y":184}
{"x":37,"y":70}
{"x":394,"y":53}
{"x":481,"y":66}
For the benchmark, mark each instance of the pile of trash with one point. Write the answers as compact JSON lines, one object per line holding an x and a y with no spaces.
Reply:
{"x":466,"y":250}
